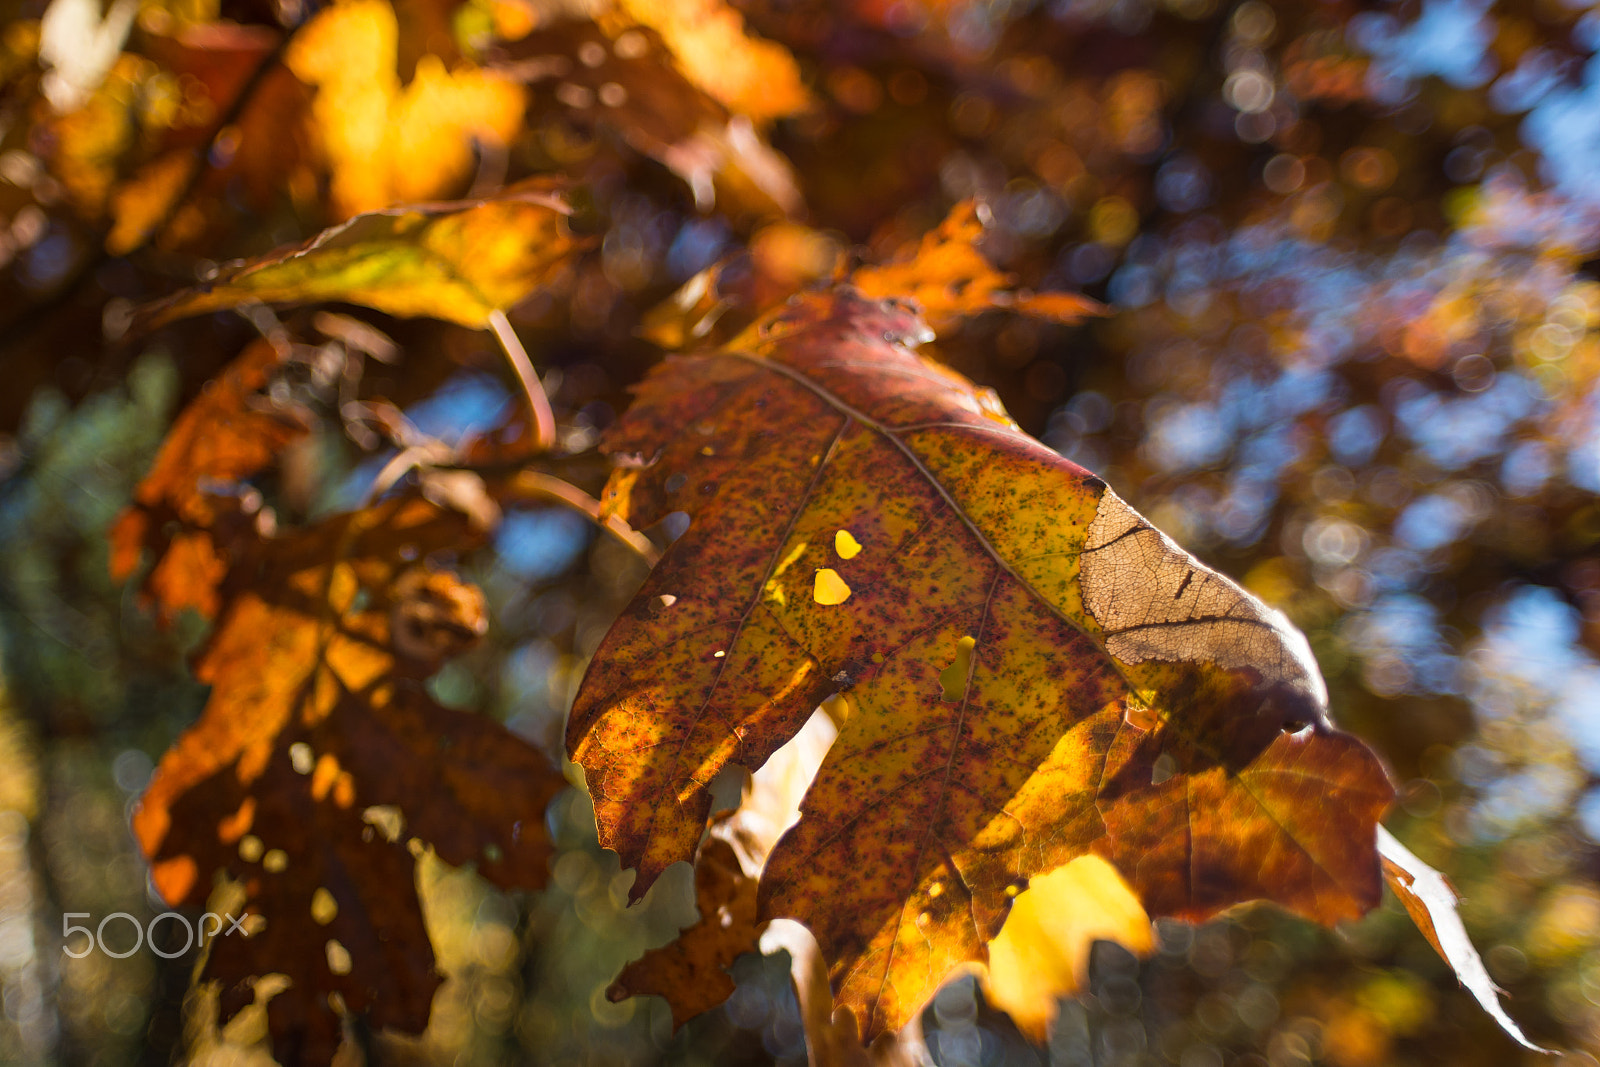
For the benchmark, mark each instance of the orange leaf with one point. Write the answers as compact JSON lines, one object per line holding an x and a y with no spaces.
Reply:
{"x":315,"y":773}
{"x":749,"y":75}
{"x":690,"y":971}
{"x":951,"y":279}
{"x":944,"y":272}
{"x":1037,"y":674}
{"x":227,"y":434}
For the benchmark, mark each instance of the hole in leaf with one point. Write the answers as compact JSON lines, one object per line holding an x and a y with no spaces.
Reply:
{"x":675,"y":525}
{"x":954,"y":677}
{"x":830,"y":588}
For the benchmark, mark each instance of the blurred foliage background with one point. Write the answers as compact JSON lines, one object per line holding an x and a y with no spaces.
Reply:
{"x":1353,"y":360}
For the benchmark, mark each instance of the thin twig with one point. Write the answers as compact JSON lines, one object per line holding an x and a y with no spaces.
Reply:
{"x":544,"y":420}
{"x":535,"y":486}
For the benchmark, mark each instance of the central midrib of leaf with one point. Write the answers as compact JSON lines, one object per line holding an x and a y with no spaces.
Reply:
{"x":755,"y":602}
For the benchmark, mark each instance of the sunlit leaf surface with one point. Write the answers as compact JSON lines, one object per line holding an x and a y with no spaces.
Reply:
{"x":314,"y":774}
{"x":454,"y":261}
{"x":1347,"y":255}
{"x":1036,"y":673}
{"x":1431,"y":903}
{"x":386,"y":143}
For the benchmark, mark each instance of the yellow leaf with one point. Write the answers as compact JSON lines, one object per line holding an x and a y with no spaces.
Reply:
{"x":385,"y":143}
{"x":1042,"y":951}
{"x":455,"y":261}
{"x":749,"y":75}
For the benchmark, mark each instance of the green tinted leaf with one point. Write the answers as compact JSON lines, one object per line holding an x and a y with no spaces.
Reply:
{"x":459,"y":261}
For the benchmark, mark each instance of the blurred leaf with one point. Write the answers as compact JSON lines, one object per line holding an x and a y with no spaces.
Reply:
{"x":723,"y":299}
{"x":1431,"y":903}
{"x":86,"y":145}
{"x":227,"y":434}
{"x":950,"y":279}
{"x":386,"y":143}
{"x":459,"y":261}
{"x":749,"y":75}
{"x":631,"y":85}
{"x":140,"y":204}
{"x":944,"y":272}
{"x":227,"y":71}
{"x":1037,"y":673}
{"x":320,"y":767}
{"x":80,"y":45}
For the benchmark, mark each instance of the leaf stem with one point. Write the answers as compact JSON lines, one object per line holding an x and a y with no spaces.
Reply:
{"x":544,"y":419}
{"x":535,"y":486}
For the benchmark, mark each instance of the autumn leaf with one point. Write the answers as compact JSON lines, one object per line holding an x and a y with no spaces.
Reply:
{"x":945,"y":272}
{"x":386,"y":143}
{"x":629,"y":83}
{"x":950,"y":279}
{"x":745,"y":73}
{"x":222,"y":66}
{"x":691,"y":970}
{"x":1040,"y":955}
{"x":320,"y":767}
{"x":139,"y":205}
{"x":1431,"y":902}
{"x":1042,"y":951}
{"x":229,"y":433}
{"x":86,"y":144}
{"x":1038,"y":675}
{"x":460,"y":261}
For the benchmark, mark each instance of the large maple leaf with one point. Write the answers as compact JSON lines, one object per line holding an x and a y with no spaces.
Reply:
{"x":1036,"y":674}
{"x":320,"y":767}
